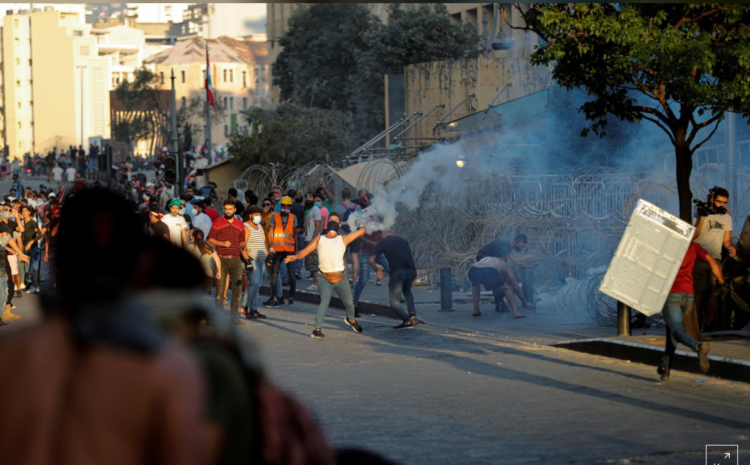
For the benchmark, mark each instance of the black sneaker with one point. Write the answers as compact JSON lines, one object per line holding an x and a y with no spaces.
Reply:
{"x":281,"y":302}
{"x":703,"y":351}
{"x":298,"y":275}
{"x":290,"y":303}
{"x":663,"y":373}
{"x":404,"y":325}
{"x":255,"y":315}
{"x":355,"y":326}
{"x":267,"y":302}
{"x":317,"y":334}
{"x":413,"y":320}
{"x":273,"y":304}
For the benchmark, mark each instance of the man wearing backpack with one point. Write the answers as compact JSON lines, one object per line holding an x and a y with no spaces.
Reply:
{"x":344,"y":209}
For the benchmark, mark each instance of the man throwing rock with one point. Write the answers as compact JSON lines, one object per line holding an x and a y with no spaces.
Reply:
{"x":403,"y":273}
{"x":331,"y":248}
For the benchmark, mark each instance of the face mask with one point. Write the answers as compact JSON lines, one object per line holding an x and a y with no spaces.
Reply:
{"x":256,"y":219}
{"x":5,"y":215}
{"x":182,"y":211}
{"x":333,"y":226}
{"x":4,"y":240}
{"x":195,"y":211}
{"x":285,"y":210}
{"x":318,"y":204}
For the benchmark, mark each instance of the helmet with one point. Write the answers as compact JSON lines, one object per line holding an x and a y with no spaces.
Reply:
{"x":175,"y":203}
{"x":286,"y":200}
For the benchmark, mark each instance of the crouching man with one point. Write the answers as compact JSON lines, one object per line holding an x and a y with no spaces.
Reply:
{"x":495,"y":275}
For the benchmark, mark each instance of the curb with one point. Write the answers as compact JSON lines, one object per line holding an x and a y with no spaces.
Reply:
{"x":721,"y":367}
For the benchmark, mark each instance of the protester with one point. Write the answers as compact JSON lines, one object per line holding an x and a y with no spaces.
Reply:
{"x":256,"y":251}
{"x":331,"y":248}
{"x":495,"y":275}
{"x":282,"y":236}
{"x":228,"y":236}
{"x":176,"y":223}
{"x":313,"y":229}
{"x":403,"y":272}
{"x":678,"y":303}
{"x":298,"y":210}
{"x":209,"y":211}
{"x":32,"y":233}
{"x":207,"y":256}
{"x":99,"y":379}
{"x":200,"y":219}
{"x":500,"y":248}
{"x":156,"y":225}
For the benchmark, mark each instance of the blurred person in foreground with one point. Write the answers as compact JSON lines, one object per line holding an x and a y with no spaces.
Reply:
{"x":95,"y":381}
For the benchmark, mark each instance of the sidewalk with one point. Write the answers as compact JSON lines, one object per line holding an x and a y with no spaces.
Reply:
{"x":573,"y":330}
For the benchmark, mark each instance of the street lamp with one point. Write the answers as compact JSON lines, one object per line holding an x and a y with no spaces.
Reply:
{"x":490,"y":40}
{"x":461,"y":162}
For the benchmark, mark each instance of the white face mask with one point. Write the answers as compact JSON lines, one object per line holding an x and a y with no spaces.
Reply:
{"x":256,"y":219}
{"x":195,"y":211}
{"x":4,"y":240}
{"x":182,"y":211}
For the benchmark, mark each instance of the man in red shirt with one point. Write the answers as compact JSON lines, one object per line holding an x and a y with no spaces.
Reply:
{"x":228,"y":236}
{"x":211,"y":212}
{"x":678,"y":302}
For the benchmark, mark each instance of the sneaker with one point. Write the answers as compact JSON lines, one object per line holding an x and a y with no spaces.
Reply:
{"x":378,"y":282}
{"x":281,"y":302}
{"x":313,"y":288}
{"x":273,"y":304}
{"x":317,"y":334}
{"x":297,"y":275}
{"x":22,"y":286}
{"x":703,"y":349}
{"x":37,"y":290}
{"x":404,"y":325}
{"x":267,"y":302}
{"x":355,"y":326}
{"x":290,"y":303}
{"x":663,"y":373}
{"x":18,"y":294}
{"x":255,"y":315}
{"x":413,"y":320}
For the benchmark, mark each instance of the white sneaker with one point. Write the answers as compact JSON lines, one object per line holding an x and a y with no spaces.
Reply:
{"x":313,"y":288}
{"x":37,"y":290}
{"x":22,"y":286}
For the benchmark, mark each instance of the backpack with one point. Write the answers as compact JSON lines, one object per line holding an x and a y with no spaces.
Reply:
{"x":345,"y":218}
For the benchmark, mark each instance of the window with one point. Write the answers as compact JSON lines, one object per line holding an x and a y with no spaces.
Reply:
{"x":18,"y":61}
{"x":231,"y":75}
{"x":18,"y":83}
{"x":183,"y":77}
{"x":77,"y":33}
{"x":231,"y":103}
{"x":226,"y":129}
{"x":30,"y":62}
{"x":161,"y":77}
{"x":19,"y":104}
{"x":244,"y":103}
{"x":225,"y":75}
{"x":15,"y":41}
{"x":184,"y":100}
{"x":226,"y":104}
{"x":19,"y":125}
{"x":15,"y":23}
{"x":244,"y":79}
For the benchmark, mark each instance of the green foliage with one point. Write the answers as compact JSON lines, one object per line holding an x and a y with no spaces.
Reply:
{"x":335,"y":55}
{"x":139,"y":99}
{"x":291,"y":135}
{"x":679,"y":66}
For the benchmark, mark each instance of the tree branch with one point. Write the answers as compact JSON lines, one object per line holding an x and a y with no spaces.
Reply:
{"x":698,"y":145}
{"x":658,"y":123}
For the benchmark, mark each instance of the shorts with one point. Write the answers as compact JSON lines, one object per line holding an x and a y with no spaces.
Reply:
{"x":13,"y":261}
{"x":311,"y":262}
{"x":490,"y":278}
{"x":355,"y":246}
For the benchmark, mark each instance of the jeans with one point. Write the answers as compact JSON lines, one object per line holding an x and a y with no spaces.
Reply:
{"x":254,"y":281}
{"x":342,"y":290}
{"x":278,"y":259}
{"x":3,"y":288}
{"x":364,"y":272}
{"x":674,"y":310}
{"x":402,"y":281}
{"x":25,"y":269}
{"x":299,"y":263}
{"x":233,"y":268}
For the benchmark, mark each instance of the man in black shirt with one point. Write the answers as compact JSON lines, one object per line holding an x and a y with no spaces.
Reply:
{"x":403,"y":273}
{"x":30,"y":236}
{"x":6,"y":282}
{"x":158,"y":227}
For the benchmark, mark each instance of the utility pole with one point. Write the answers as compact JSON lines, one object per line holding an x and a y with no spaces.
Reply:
{"x":209,"y":152}
{"x":82,"y":68}
{"x":176,"y":140}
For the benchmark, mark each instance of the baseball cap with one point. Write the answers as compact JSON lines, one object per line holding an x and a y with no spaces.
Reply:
{"x":51,"y":194}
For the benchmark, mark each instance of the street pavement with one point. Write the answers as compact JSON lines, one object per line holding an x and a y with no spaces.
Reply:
{"x":434,"y":395}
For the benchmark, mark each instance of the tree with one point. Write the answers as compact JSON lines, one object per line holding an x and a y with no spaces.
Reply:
{"x":291,"y":135}
{"x":415,"y":35}
{"x":678,"y":66}
{"x":320,"y":52}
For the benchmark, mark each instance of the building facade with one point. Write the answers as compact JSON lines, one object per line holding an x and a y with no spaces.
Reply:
{"x":236,"y":20}
{"x":238,"y":75}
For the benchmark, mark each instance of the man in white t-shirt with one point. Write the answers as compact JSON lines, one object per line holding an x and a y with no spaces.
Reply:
{"x":177,"y":225}
{"x":712,"y":232}
{"x":200,"y":219}
{"x":70,"y":173}
{"x":57,"y":177}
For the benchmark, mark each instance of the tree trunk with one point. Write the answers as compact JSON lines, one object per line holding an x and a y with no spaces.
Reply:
{"x":684,"y":168}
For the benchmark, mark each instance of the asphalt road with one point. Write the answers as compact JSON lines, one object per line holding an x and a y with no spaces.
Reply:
{"x":432,"y":395}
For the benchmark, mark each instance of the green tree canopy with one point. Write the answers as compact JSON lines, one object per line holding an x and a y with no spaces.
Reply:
{"x":335,"y":55}
{"x":679,"y":66}
{"x":291,"y":135}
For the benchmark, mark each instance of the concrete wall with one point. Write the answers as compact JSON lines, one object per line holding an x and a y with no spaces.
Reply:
{"x":223,"y":175}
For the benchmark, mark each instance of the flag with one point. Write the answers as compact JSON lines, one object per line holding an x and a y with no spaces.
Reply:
{"x":209,"y":88}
